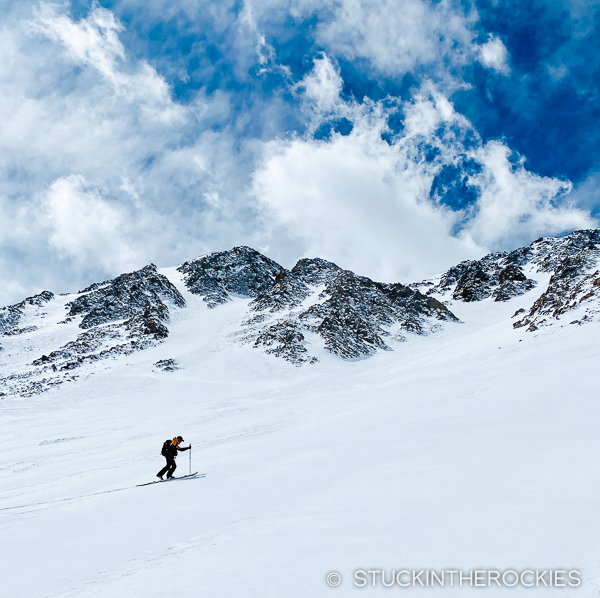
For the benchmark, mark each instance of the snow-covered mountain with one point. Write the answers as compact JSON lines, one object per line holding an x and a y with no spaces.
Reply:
{"x":293,"y":314}
{"x":341,"y":423}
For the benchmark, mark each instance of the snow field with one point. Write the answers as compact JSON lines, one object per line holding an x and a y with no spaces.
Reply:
{"x":474,"y":448}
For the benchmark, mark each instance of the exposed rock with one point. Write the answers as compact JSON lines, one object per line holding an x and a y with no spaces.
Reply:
{"x":166,"y":365}
{"x":285,"y":293}
{"x":16,"y":331}
{"x":573,"y":284}
{"x":547,"y":253}
{"x":140,"y":293}
{"x":316,"y":271}
{"x":573,"y":261}
{"x":351,"y":314}
{"x":242,"y":271}
{"x":118,"y":317}
{"x":497,"y":275}
{"x":11,"y":315}
{"x":285,"y":339}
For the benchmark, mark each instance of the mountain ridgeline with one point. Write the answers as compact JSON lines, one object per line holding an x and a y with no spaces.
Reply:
{"x":295,"y":314}
{"x":350,"y":314}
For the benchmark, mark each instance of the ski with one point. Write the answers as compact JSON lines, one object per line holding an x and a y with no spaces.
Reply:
{"x":183,"y":477}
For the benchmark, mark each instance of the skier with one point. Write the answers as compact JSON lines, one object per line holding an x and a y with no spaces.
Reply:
{"x":169,"y":451}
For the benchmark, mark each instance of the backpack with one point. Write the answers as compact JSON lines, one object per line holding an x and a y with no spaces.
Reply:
{"x":165,"y":448}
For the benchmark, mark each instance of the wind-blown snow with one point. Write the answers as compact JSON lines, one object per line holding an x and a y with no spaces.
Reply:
{"x":474,"y":448}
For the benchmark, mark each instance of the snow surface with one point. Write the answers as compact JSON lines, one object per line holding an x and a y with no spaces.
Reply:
{"x":476,"y":447}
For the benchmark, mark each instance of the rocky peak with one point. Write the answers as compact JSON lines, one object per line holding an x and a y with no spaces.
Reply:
{"x":315,"y":271}
{"x":136,"y":294}
{"x":118,"y":317}
{"x":572,"y":260}
{"x":574,"y":287}
{"x":352,"y":314}
{"x":497,"y":275}
{"x":11,"y":315}
{"x":547,"y":253}
{"x":240,"y":271}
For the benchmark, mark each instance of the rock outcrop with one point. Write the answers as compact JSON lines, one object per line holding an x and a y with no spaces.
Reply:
{"x":497,"y":275}
{"x":242,"y":271}
{"x":11,"y":316}
{"x":573,"y":290}
{"x":349,"y":315}
{"x":117,"y":317}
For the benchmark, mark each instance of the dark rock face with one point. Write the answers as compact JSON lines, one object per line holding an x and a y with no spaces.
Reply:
{"x":548,"y":253}
{"x":10,"y":316}
{"x":137,"y":295}
{"x":285,"y":339}
{"x":574,"y":284}
{"x":289,"y":291}
{"x":241,"y":271}
{"x":166,"y":365}
{"x":497,"y":275}
{"x":118,"y":317}
{"x":350,"y":314}
{"x":573,"y":260}
{"x":315,"y":271}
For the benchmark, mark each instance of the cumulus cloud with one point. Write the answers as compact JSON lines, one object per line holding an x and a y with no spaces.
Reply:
{"x":396,"y":36}
{"x":367,"y":203}
{"x":99,"y":166}
{"x":494,"y":55}
{"x":84,"y":226}
{"x":103,"y":169}
{"x":359,"y":202}
{"x":322,"y":85}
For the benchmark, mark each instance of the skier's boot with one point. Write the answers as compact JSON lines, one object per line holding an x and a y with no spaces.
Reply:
{"x":160,"y":478}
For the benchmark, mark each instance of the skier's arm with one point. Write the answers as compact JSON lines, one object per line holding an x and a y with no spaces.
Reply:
{"x":187,"y":448}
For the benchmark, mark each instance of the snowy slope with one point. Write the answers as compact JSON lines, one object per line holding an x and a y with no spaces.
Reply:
{"x":473,"y":448}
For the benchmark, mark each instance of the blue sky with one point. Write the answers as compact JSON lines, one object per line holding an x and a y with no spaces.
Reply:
{"x":393,"y":137}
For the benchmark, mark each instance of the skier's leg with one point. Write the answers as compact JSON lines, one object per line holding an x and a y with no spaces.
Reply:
{"x":164,"y":469}
{"x":172,"y":468}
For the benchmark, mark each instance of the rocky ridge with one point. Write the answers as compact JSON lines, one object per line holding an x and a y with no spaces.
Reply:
{"x":11,"y":316}
{"x":573,"y":292}
{"x":349,"y":315}
{"x":574,"y":287}
{"x":497,"y":275}
{"x":116,"y":317}
{"x":292,"y":314}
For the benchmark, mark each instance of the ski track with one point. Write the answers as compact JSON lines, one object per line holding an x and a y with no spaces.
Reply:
{"x":472,"y":448}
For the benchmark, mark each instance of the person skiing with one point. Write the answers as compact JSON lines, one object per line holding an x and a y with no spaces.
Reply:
{"x":169,"y":452}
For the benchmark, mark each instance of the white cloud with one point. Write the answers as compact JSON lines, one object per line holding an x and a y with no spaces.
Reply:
{"x":516,"y":205}
{"x":366,"y":204}
{"x":494,"y":55}
{"x":101,"y":170}
{"x":84,"y":227}
{"x":397,"y":36}
{"x":94,"y":41}
{"x":358,"y":202}
{"x":93,"y":132}
{"x":322,"y":85}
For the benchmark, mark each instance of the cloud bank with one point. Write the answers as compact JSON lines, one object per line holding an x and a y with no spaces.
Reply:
{"x":107,"y":163}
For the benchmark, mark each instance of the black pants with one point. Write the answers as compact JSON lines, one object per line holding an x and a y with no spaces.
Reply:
{"x":169,"y":468}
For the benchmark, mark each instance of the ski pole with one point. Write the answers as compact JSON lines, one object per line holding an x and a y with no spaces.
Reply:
{"x":190,"y":460}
